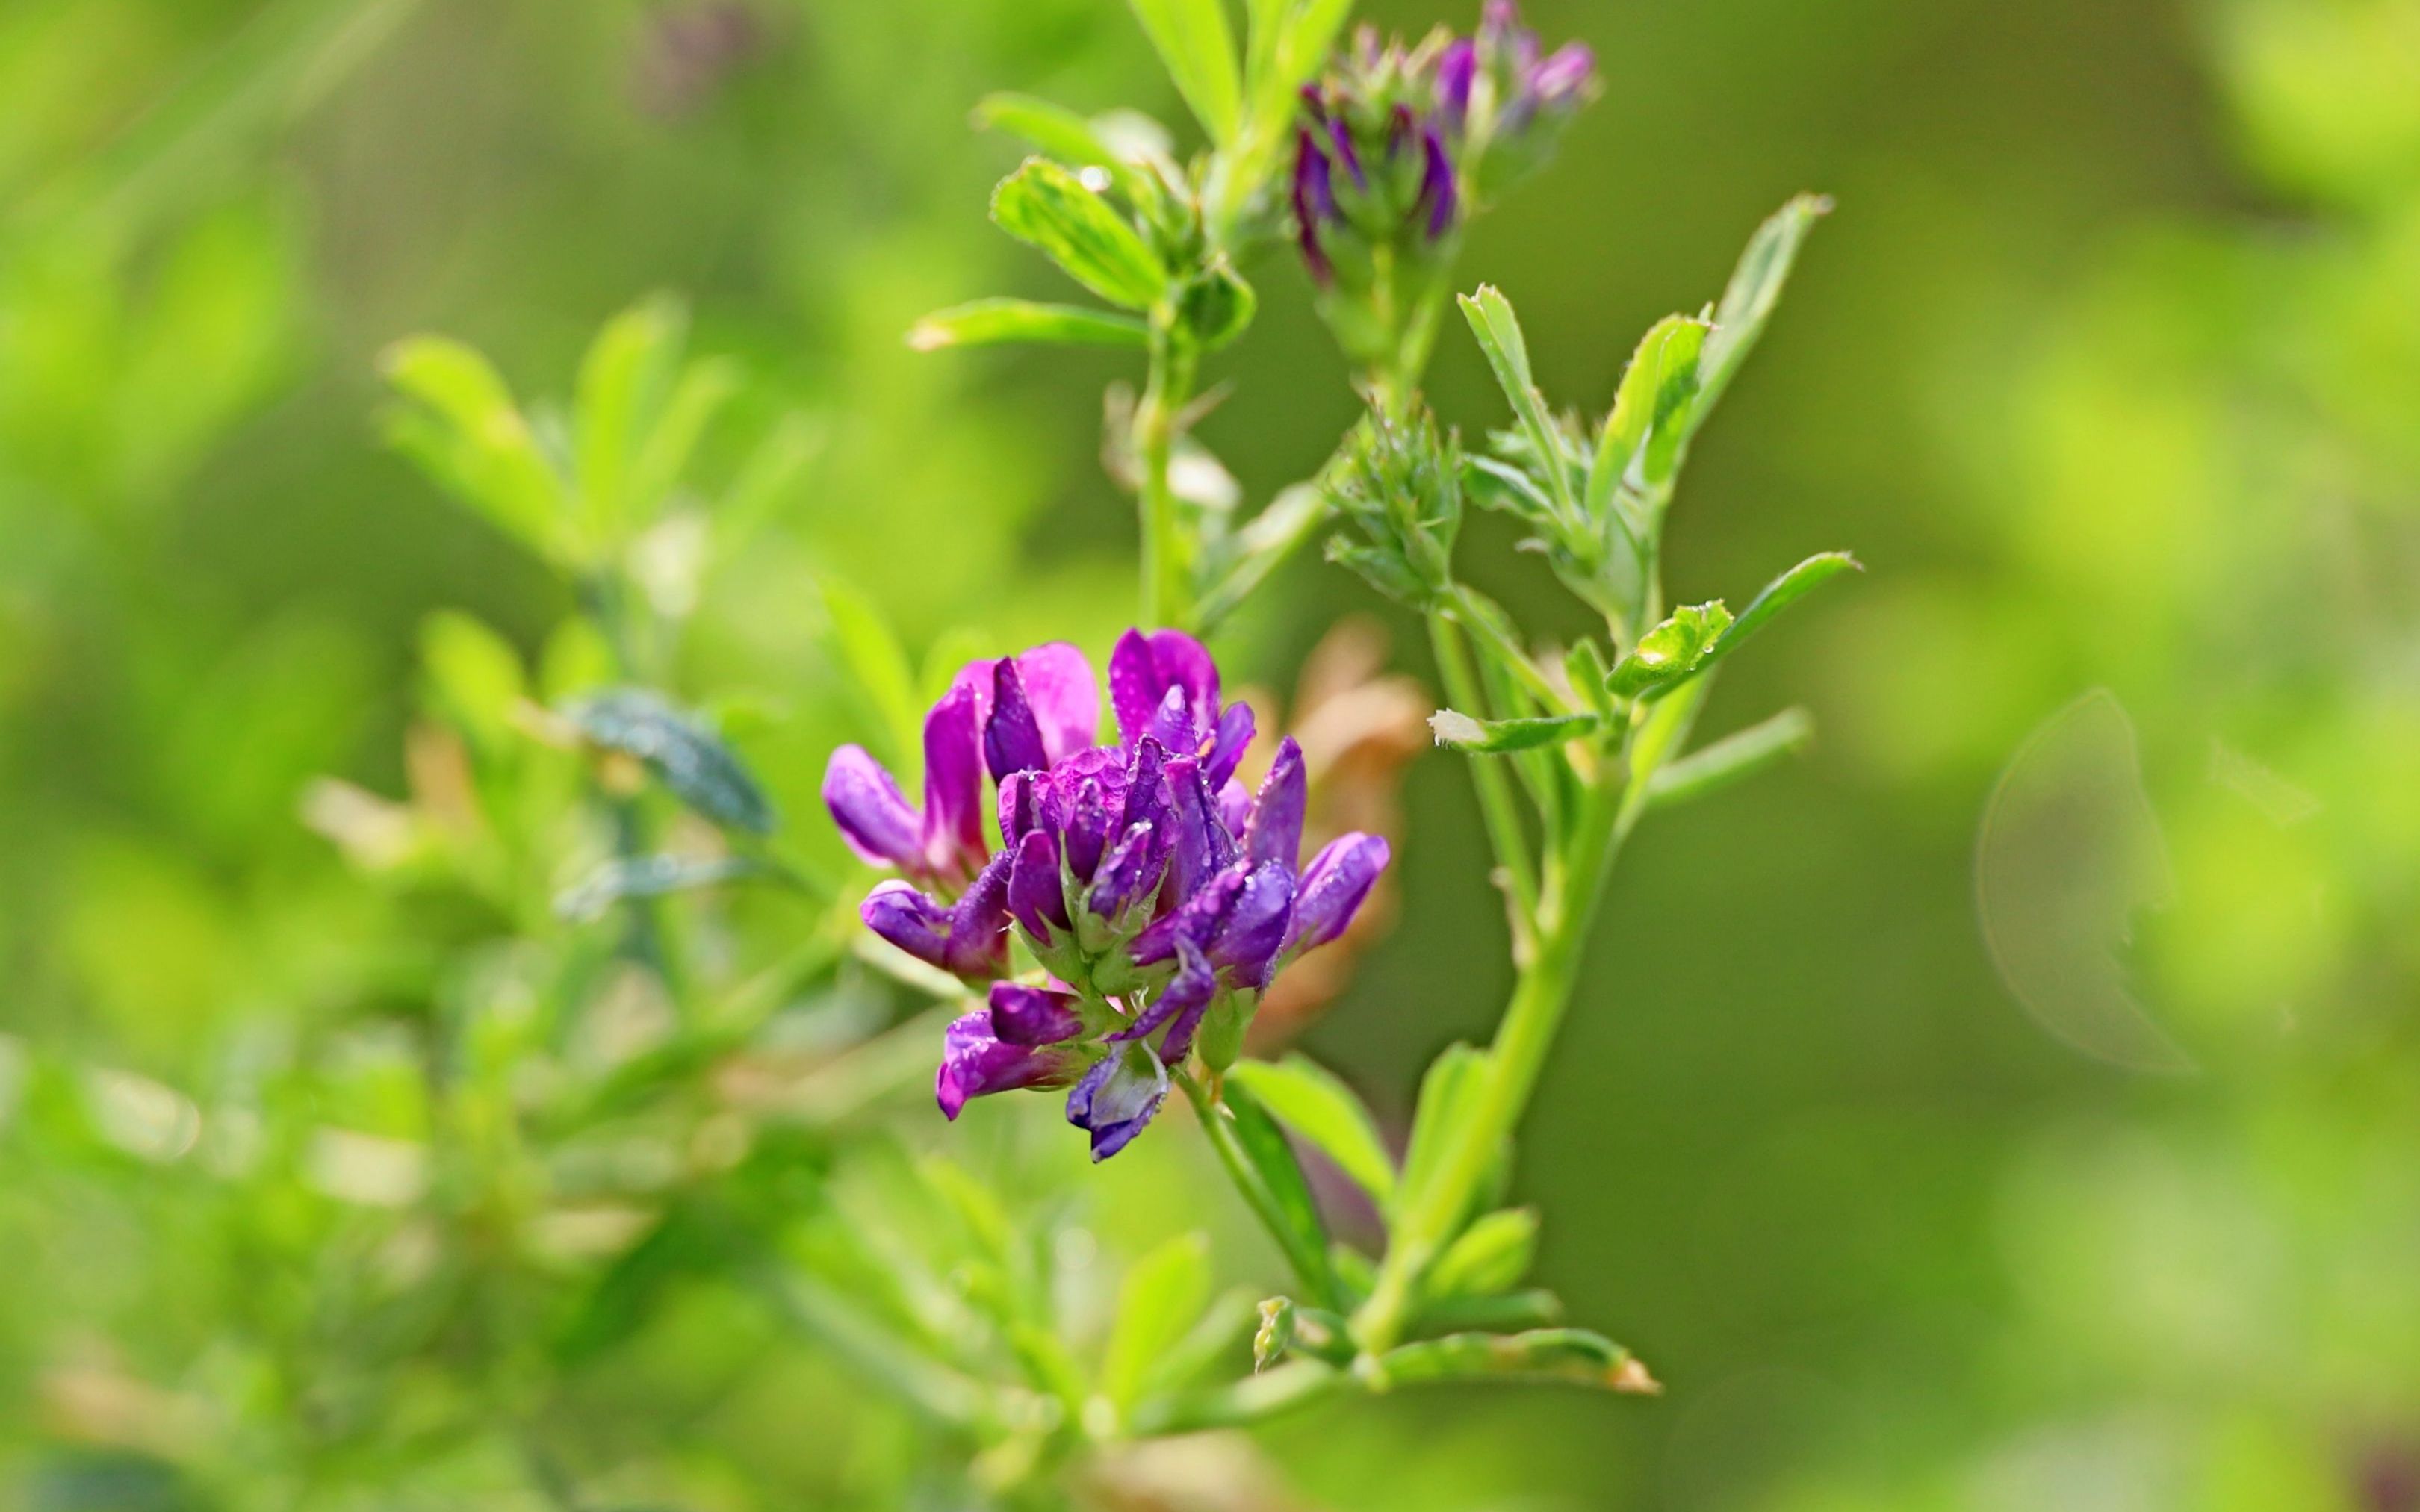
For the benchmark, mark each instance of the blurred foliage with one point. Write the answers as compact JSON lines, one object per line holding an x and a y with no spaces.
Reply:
{"x":2110,"y":367}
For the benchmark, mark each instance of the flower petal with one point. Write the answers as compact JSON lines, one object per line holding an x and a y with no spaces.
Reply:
{"x":975,"y":1063}
{"x":1333,"y":886}
{"x":1012,"y":736}
{"x":1143,"y":668}
{"x":872,"y":816}
{"x":1128,"y":874}
{"x":1275,"y":831}
{"x":1179,"y":1006}
{"x":978,"y":941}
{"x":1232,"y":737}
{"x":1200,"y":843}
{"x":908,"y":919}
{"x":1254,"y":925}
{"x":1033,"y":1015}
{"x":953,"y":840}
{"x":1117,"y":1097}
{"x":1065,"y":700}
{"x":1035,"y":898}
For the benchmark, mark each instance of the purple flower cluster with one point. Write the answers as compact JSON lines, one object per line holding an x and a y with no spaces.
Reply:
{"x":1396,"y":141}
{"x":1159,"y":896}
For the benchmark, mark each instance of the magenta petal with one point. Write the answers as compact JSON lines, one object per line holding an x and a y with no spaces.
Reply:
{"x":1142,"y":668}
{"x":1179,"y":1005}
{"x":1227,"y":747}
{"x":1333,"y":886}
{"x":953,"y":838}
{"x":1275,"y":831}
{"x":872,"y":816}
{"x":1254,"y":926}
{"x":1066,"y":701}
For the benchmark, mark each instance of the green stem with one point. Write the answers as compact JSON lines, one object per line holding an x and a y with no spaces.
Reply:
{"x":1522,"y":1042}
{"x":1495,"y":802}
{"x":1310,"y":1264}
{"x":1471,"y":610}
{"x":1167,"y":591}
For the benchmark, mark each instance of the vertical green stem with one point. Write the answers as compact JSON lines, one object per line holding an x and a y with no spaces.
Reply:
{"x":1523,"y":1039}
{"x":1497,"y":807}
{"x":1167,"y":568}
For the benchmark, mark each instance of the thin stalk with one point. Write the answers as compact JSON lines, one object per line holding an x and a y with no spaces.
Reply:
{"x":1471,"y":611}
{"x":1309,"y":1266}
{"x":1167,"y":591}
{"x":1496,"y":807}
{"x":1540,"y":997}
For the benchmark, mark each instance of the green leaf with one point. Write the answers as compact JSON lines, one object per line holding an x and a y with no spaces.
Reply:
{"x":1492,"y":320}
{"x":1493,"y":736}
{"x":1199,"y":52}
{"x":690,"y":761}
{"x":1781,"y":593}
{"x":470,"y":436}
{"x":879,"y":669}
{"x":1309,"y":1099}
{"x":1672,"y":652}
{"x":474,"y":677}
{"x":645,"y":876}
{"x":1159,"y":1301}
{"x":1491,"y":1256}
{"x":1655,"y":391}
{"x":1730,"y":759}
{"x":664,"y":454}
{"x":1448,"y":1093}
{"x":1000,"y":323}
{"x":1216,"y":306}
{"x":1056,"y":130}
{"x":1045,"y":206}
{"x":1263,"y":1166}
{"x":1749,"y":300}
{"x":622,"y":384}
{"x":1557,"y":1354}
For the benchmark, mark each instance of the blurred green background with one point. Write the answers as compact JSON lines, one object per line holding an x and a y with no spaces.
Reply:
{"x":2016,"y":1104}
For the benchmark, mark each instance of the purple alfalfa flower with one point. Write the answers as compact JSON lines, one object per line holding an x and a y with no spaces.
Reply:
{"x":1154,"y":888}
{"x":1564,"y":78}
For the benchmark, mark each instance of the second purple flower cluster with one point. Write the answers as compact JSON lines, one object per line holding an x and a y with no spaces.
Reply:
{"x":1158,"y":895}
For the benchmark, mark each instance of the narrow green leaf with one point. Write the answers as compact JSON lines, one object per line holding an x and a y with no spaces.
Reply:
{"x":1748,"y":301}
{"x":645,"y":876}
{"x":1199,"y":52}
{"x":1210,"y":1344}
{"x":1730,"y":759}
{"x":1160,"y":1299}
{"x":1310,"y":1100}
{"x":1448,"y":1094}
{"x":1498,"y":329}
{"x":1495,"y":737}
{"x":1265,"y":1170}
{"x":472,"y":436}
{"x":1672,"y":652}
{"x":665,"y":450}
{"x":690,"y":761}
{"x":1503,"y":1314}
{"x":878,"y":666}
{"x":1046,"y":206}
{"x":1056,"y":130}
{"x":623,"y":381}
{"x":1655,"y":389}
{"x":1781,"y":593}
{"x":1000,"y":323}
{"x":473,"y":676}
{"x":1557,"y":1354}
{"x":1491,"y":1256}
